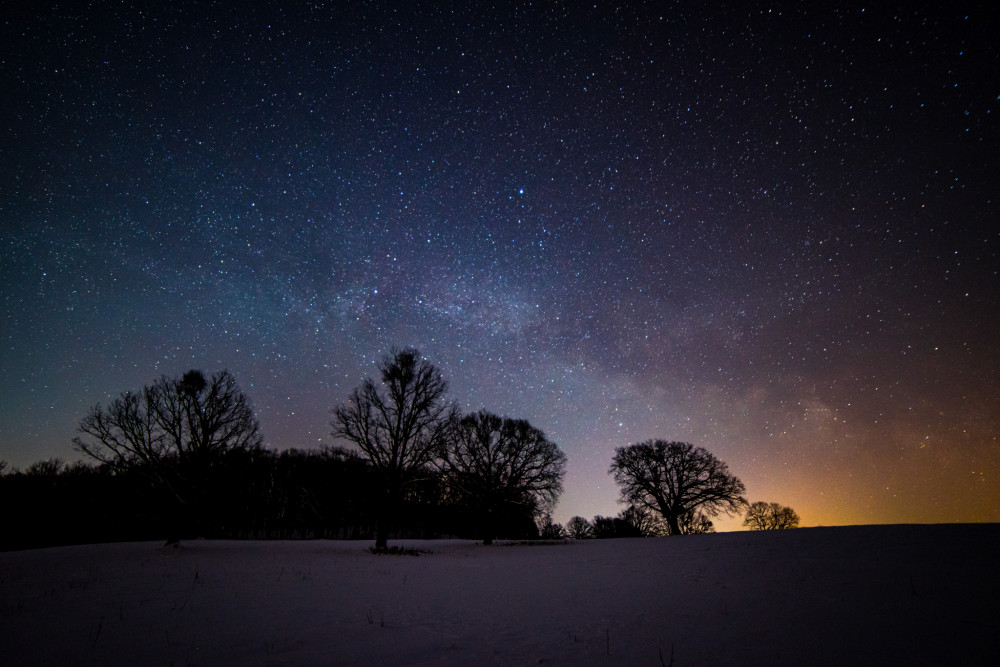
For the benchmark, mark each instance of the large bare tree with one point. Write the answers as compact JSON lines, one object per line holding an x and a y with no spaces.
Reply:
{"x":399,"y":425}
{"x":579,"y":528}
{"x":498,"y":466}
{"x":676,"y":479}
{"x":174,"y":432}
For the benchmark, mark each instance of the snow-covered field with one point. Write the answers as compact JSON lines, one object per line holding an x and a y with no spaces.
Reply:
{"x":869,"y":595}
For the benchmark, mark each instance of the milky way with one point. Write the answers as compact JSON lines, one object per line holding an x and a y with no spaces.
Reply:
{"x":769,"y":232}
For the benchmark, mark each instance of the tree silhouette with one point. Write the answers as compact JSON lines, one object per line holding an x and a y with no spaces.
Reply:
{"x":604,"y":527}
{"x":770,"y":516}
{"x":647,"y":523}
{"x":579,"y":528}
{"x":675,"y":478}
{"x":49,"y":468}
{"x":608,"y":527}
{"x":399,"y":426}
{"x":175,"y":432}
{"x":499,"y":465}
{"x":551,"y":531}
{"x":694,"y":522}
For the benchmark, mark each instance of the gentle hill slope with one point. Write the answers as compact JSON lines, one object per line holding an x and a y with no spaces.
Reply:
{"x":923,"y":594}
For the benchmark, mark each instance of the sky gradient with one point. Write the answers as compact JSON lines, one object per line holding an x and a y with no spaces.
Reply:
{"x":770,"y":232}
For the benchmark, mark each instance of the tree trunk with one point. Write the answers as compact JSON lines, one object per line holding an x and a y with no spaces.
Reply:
{"x":488,"y":530}
{"x":381,"y":536}
{"x":172,"y":519}
{"x":383,"y":522}
{"x":172,"y":526}
{"x":675,"y":528}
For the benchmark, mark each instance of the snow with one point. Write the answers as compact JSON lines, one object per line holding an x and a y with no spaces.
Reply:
{"x":913,"y":595}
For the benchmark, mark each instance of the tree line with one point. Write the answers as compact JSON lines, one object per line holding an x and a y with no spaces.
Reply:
{"x":184,"y":457}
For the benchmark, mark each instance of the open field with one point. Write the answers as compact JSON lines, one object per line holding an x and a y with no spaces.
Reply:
{"x":907,"y":595}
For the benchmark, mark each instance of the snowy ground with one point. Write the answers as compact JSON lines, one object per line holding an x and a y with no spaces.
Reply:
{"x":907,"y":595}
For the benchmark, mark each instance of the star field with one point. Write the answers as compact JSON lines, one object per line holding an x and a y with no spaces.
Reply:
{"x":770,"y":232}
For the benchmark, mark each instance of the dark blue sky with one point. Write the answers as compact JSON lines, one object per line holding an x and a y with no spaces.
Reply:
{"x":771,"y":232}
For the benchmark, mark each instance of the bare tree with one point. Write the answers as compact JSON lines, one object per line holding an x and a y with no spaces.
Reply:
{"x":675,"y":478}
{"x":174,"y":432}
{"x":646,"y":522}
{"x":579,"y":528}
{"x":399,"y":426}
{"x":786,"y":518}
{"x":695,"y":522}
{"x":608,"y":527}
{"x":48,"y":468}
{"x":551,"y":531}
{"x":770,"y":516}
{"x":497,"y":464}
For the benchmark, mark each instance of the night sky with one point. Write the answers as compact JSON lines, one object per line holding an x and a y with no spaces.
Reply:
{"x":770,"y":232}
